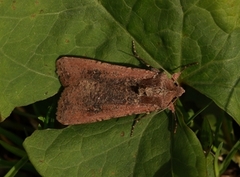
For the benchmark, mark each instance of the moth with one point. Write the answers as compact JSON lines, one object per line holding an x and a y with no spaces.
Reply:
{"x":96,"y":91}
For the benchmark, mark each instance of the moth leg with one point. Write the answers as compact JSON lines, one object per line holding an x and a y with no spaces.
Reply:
{"x":175,"y":121}
{"x":139,"y":58}
{"x":135,"y":121}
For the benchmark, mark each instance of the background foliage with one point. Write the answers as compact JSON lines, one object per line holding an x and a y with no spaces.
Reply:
{"x":168,"y":34}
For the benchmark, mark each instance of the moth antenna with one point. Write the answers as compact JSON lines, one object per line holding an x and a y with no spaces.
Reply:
{"x":188,"y":65}
{"x":175,"y":76}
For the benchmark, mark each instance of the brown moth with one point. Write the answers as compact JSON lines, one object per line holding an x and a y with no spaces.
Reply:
{"x":96,"y":91}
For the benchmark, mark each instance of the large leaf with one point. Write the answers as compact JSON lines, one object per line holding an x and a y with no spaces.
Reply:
{"x":168,"y":34}
{"x":106,"y":149}
{"x":211,"y":33}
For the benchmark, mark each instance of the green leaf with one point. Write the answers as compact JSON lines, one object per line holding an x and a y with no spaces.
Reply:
{"x":14,"y":150}
{"x":217,"y":155}
{"x":13,"y":171}
{"x":167,"y":34}
{"x":230,"y":156}
{"x":11,"y":136}
{"x":210,"y":35}
{"x":210,"y":165}
{"x":106,"y":149}
{"x":206,"y":136}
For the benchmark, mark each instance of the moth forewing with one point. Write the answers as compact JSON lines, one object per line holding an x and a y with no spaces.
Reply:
{"x":96,"y":91}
